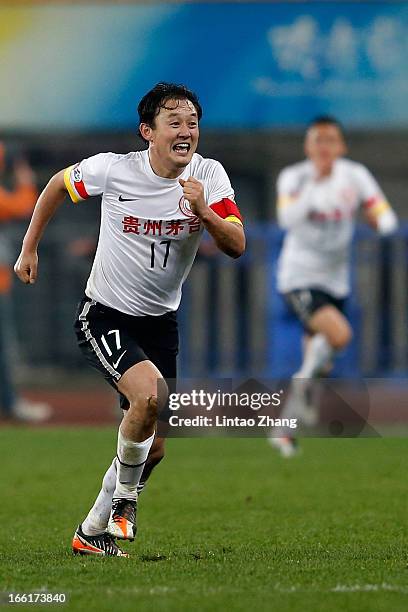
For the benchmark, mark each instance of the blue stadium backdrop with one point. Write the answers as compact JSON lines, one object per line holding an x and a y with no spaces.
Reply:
{"x":254,"y":65}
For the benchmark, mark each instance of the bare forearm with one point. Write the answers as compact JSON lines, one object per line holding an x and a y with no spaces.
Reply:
{"x":47,"y":204}
{"x":26,"y":266}
{"x":229,"y":237}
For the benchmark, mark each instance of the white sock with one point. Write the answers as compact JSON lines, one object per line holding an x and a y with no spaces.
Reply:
{"x":131,"y":460}
{"x":318,"y":353}
{"x":97,"y":519}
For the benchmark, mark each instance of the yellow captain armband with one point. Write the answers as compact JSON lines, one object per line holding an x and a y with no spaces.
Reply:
{"x":75,"y":184}
{"x":379,"y":208}
{"x":234,"y":219}
{"x":67,"y":180}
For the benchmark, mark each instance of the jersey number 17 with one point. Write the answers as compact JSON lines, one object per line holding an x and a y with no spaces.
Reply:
{"x":166,"y":253}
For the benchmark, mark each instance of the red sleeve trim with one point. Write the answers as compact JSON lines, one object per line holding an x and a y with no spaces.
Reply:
{"x":371,"y":202}
{"x":225,"y":208}
{"x":80,"y":187}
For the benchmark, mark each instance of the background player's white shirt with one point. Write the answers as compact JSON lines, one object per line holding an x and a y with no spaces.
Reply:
{"x":320,"y":216}
{"x":148,"y":236}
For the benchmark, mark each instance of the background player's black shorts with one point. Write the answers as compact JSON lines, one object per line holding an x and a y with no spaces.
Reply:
{"x":112,"y":341}
{"x":305,"y":302}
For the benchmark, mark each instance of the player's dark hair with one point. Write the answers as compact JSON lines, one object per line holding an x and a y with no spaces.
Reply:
{"x":326,"y":120}
{"x":155,"y":99}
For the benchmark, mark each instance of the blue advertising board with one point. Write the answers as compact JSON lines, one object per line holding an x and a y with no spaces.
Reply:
{"x":265,"y":65}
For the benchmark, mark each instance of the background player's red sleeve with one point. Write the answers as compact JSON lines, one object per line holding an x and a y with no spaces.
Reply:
{"x":225,"y":208}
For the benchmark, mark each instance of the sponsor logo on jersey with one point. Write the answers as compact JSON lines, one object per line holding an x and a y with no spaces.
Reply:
{"x":184,"y":206}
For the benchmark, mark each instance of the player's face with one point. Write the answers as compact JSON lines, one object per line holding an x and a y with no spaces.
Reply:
{"x":174,"y":137}
{"x":323,"y":145}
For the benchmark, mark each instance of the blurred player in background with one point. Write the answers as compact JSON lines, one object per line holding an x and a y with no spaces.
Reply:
{"x":318,"y":201}
{"x":155,"y":206}
{"x":15,"y":203}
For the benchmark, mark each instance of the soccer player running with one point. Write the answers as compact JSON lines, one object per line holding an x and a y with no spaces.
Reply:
{"x":318,"y":200}
{"x":155,"y":206}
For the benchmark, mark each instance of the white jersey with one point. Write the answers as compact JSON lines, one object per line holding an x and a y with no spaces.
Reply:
{"x":320,"y":216}
{"x":148,"y":236}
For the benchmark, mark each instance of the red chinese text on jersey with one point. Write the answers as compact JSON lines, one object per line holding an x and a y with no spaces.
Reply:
{"x":132,"y":225}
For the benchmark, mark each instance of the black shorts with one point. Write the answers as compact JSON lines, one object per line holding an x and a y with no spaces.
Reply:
{"x":113,"y":341}
{"x":305,"y":302}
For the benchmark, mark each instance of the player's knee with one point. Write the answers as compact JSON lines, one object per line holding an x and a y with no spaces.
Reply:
{"x":143,"y":409}
{"x":150,"y":411}
{"x":152,"y":406}
{"x":342,"y":338}
{"x":162,"y":393}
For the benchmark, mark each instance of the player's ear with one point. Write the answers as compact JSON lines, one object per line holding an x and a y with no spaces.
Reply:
{"x":146,"y":131}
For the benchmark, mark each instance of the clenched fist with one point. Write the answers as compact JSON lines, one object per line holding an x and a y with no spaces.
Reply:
{"x":193,"y":191}
{"x":26,"y":267}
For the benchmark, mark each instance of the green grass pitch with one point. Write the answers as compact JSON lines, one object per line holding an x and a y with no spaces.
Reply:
{"x":225,"y":524}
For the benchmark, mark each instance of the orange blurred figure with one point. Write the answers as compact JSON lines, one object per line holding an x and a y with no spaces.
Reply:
{"x":16,"y":203}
